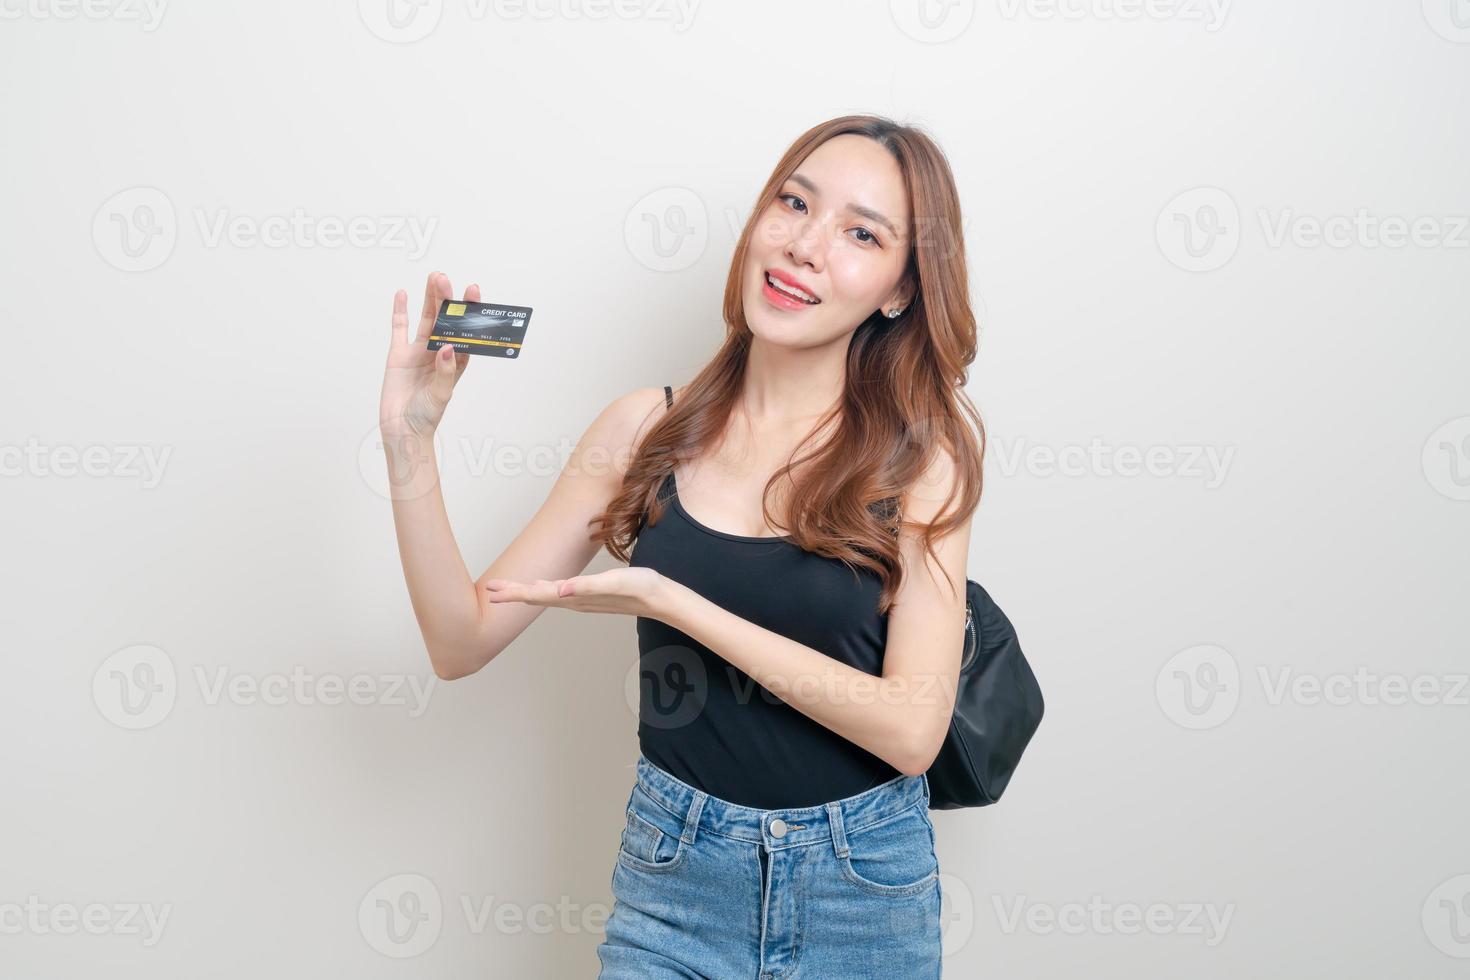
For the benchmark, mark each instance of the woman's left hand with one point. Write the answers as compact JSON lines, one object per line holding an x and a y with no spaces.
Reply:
{"x":630,"y":591}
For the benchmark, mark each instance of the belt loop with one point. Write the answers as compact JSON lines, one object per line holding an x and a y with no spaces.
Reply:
{"x":839,"y":836}
{"x":691,"y":822}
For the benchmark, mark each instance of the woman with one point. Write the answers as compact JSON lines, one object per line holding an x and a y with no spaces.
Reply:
{"x":798,"y":673}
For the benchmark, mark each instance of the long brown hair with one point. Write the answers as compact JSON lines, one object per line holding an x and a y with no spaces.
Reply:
{"x":903,"y":397}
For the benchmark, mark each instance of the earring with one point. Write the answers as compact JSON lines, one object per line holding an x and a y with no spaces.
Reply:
{"x":894,"y":313}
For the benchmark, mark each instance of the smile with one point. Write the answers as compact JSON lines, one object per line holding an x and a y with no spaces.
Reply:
{"x":786,"y":291}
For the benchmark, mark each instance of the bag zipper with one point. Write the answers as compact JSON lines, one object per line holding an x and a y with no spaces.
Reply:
{"x":974,"y":639}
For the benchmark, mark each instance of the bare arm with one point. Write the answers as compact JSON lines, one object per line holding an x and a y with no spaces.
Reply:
{"x":462,"y":630}
{"x":901,"y":717}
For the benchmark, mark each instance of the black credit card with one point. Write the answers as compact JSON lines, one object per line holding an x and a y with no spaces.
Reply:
{"x":481,"y":328}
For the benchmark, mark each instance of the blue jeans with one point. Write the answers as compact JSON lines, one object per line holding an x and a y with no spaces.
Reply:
{"x":703,"y":888}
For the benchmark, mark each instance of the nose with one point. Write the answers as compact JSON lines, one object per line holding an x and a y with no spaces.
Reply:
{"x":808,"y":246}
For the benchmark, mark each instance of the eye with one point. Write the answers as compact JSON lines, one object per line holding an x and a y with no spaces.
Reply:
{"x":871,"y":238}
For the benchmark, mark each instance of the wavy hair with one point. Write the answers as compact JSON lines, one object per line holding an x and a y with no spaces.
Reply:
{"x":903,"y":396}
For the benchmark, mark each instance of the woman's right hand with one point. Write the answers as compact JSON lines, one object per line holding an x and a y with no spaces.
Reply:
{"x":418,"y":382}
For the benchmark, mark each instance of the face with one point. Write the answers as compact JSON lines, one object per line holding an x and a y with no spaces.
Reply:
{"x":838,"y":231}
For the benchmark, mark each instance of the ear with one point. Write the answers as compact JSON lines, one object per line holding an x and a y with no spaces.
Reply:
{"x":902,"y":296}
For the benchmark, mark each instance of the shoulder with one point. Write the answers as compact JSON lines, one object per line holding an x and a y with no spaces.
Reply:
{"x":925,"y":497}
{"x":624,"y":421}
{"x":946,"y":555}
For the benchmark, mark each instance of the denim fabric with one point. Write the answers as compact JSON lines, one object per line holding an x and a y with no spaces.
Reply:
{"x":704,"y":888}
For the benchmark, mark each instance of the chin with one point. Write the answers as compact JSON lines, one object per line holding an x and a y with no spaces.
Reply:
{"x":782,"y":333}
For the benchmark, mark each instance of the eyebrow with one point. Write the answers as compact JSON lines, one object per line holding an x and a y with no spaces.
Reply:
{"x":866,"y":212}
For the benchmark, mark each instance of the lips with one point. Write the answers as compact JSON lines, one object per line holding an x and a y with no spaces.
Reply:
{"x":789,"y":287}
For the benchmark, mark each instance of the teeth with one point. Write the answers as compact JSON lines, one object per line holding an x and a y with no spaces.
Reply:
{"x":781,"y":287}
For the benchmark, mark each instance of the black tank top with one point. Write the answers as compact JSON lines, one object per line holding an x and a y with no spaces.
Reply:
{"x":711,"y":725}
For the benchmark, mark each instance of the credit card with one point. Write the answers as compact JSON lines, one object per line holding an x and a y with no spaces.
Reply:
{"x":494,"y":329}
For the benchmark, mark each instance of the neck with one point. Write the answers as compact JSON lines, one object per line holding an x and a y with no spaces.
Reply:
{"x":783,"y":386}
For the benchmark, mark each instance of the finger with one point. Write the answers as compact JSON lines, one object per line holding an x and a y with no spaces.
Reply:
{"x":431,"y":300}
{"x":461,"y":359}
{"x":436,"y":290}
{"x":399,"y":335}
{"x":504,"y":590}
{"x":442,"y":387}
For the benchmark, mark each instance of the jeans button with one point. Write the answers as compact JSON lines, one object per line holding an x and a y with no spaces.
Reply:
{"x":778,"y":828}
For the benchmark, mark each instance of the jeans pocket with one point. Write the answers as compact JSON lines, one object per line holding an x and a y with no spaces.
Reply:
{"x":894,"y":857}
{"x":651,"y":838}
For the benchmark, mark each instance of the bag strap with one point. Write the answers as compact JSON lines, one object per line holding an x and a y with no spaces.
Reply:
{"x":668,"y":396}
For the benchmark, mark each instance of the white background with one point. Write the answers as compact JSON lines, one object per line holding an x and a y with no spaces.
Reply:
{"x":1127,"y":172}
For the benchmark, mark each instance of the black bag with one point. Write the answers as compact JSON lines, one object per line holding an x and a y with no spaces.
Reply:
{"x":997,"y":708}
